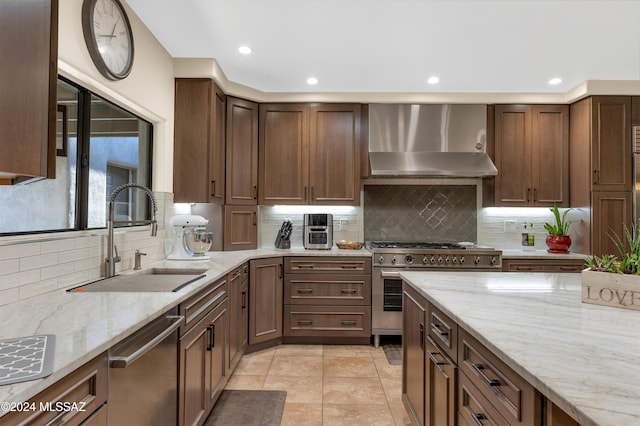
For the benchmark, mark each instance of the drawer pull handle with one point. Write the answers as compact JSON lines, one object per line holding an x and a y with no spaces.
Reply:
{"x":478,"y":418}
{"x":436,"y":326}
{"x":568,"y":268}
{"x":349,"y":266}
{"x":524,"y":268}
{"x":491,"y":382}
{"x":348,"y":291}
{"x":421,"y":335}
{"x":305,"y":290}
{"x":433,"y":355}
{"x":305,"y":322}
{"x":306,"y":266}
{"x":348,"y":322}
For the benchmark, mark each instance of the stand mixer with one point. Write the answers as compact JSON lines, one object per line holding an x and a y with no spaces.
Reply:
{"x":191,"y":238}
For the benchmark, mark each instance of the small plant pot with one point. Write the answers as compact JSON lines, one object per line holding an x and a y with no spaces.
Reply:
{"x":558,"y":243}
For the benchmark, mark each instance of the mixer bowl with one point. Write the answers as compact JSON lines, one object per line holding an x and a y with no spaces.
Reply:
{"x":198,"y":241}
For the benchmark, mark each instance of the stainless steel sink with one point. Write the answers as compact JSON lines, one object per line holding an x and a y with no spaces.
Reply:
{"x":152,"y":280}
{"x":172,"y":271}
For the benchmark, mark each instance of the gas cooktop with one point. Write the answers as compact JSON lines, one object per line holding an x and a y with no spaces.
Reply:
{"x":415,"y":245}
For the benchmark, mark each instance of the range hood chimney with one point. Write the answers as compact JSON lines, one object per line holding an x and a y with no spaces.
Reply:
{"x":429,"y":140}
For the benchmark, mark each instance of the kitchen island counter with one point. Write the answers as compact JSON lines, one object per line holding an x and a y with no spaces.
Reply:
{"x":582,"y":357}
{"x":87,"y":324}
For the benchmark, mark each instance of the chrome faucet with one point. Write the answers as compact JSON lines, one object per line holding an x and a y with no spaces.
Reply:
{"x":111,"y":260}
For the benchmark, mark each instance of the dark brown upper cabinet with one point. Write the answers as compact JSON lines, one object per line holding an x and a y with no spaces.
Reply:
{"x":199,"y":142}
{"x":28,"y":72}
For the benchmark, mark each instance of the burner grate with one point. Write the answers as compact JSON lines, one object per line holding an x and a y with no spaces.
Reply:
{"x":416,"y":245}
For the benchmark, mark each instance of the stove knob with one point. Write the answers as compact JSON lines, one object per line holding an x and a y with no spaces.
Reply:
{"x":447,"y":260}
{"x":476,"y":260}
{"x":493,"y":260}
{"x":408,"y":259}
{"x":425,"y":260}
{"x":393,"y":261}
{"x":461,"y":259}
{"x":433,"y":259}
{"x":381,"y":259}
{"x":439,"y":259}
{"x":455,"y":260}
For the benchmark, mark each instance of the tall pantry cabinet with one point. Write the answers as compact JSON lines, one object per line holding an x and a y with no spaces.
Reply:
{"x":216,"y":157}
{"x":602,"y":169}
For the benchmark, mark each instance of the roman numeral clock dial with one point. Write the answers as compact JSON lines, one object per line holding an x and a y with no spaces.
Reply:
{"x":108,"y":36}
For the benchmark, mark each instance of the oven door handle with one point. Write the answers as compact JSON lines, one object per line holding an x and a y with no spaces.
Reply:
{"x":390,"y":274}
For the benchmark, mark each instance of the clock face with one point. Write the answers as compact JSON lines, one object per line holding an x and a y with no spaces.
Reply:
{"x":108,"y":36}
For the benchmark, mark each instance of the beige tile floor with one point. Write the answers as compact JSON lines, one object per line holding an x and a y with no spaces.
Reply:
{"x":327,"y":385}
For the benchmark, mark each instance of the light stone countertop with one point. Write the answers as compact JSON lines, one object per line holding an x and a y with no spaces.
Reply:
{"x":583,"y":357}
{"x":87,"y":324}
{"x":540,"y":254}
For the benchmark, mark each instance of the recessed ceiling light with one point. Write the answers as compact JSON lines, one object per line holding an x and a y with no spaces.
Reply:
{"x":312,"y":81}
{"x":555,"y":80}
{"x":245,"y":50}
{"x":433,"y":80}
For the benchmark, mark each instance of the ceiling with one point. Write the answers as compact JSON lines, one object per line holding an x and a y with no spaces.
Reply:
{"x":394,"y":46}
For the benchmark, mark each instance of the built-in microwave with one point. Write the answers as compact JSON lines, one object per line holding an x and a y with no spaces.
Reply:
{"x":317,"y":231}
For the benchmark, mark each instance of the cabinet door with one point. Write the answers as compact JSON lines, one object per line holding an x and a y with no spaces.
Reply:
{"x":244,"y":295}
{"x":242,"y":152}
{"x":284,"y":154}
{"x":193,"y":398}
{"x":610,"y":212}
{"x":193,"y":115}
{"x":334,"y":158}
{"x":28,"y":72}
{"x":550,"y":155}
{"x":217,"y":353}
{"x":240,"y":228}
{"x":217,"y":146}
{"x":413,"y":354}
{"x":440,"y":387}
{"x":611,"y":143}
{"x":513,"y":155}
{"x":265,"y":300}
{"x":235,"y":318}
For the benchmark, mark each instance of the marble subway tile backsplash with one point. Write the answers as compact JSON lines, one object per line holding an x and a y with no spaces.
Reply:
{"x":36,"y":264}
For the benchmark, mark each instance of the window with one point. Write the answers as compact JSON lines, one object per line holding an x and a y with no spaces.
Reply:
{"x":99,"y":147}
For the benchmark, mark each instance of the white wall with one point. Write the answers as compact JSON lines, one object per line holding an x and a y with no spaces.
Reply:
{"x":148,"y":90}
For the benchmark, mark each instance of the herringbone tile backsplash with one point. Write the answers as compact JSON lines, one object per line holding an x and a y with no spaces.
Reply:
{"x":433,"y":213}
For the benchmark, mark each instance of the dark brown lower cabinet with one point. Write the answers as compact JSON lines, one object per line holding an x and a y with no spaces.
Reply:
{"x":265,"y":300}
{"x":202,"y":354}
{"x":414,"y":309}
{"x":87,"y":387}
{"x":542,"y":265}
{"x":610,"y":213}
{"x":440,"y":387}
{"x":463,"y":383}
{"x":238,"y":314}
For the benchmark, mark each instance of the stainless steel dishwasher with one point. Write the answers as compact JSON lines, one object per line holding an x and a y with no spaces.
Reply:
{"x":143,"y":375}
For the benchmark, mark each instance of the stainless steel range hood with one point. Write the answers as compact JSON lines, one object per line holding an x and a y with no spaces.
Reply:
{"x":429,"y":140}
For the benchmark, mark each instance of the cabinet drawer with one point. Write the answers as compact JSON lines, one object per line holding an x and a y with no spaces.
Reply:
{"x":346,"y":265}
{"x":511,"y":265}
{"x":327,"y":289}
{"x":334,"y":321}
{"x":86,"y":387}
{"x":474,"y":408}
{"x":444,"y":331}
{"x":514,"y":398}
{"x":197,"y":306}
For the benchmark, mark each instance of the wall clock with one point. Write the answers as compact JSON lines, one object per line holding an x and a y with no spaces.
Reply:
{"x":107,"y":33}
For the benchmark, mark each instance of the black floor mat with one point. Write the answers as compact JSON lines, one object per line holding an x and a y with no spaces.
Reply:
{"x":248,"y":408}
{"x":392,"y":346}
